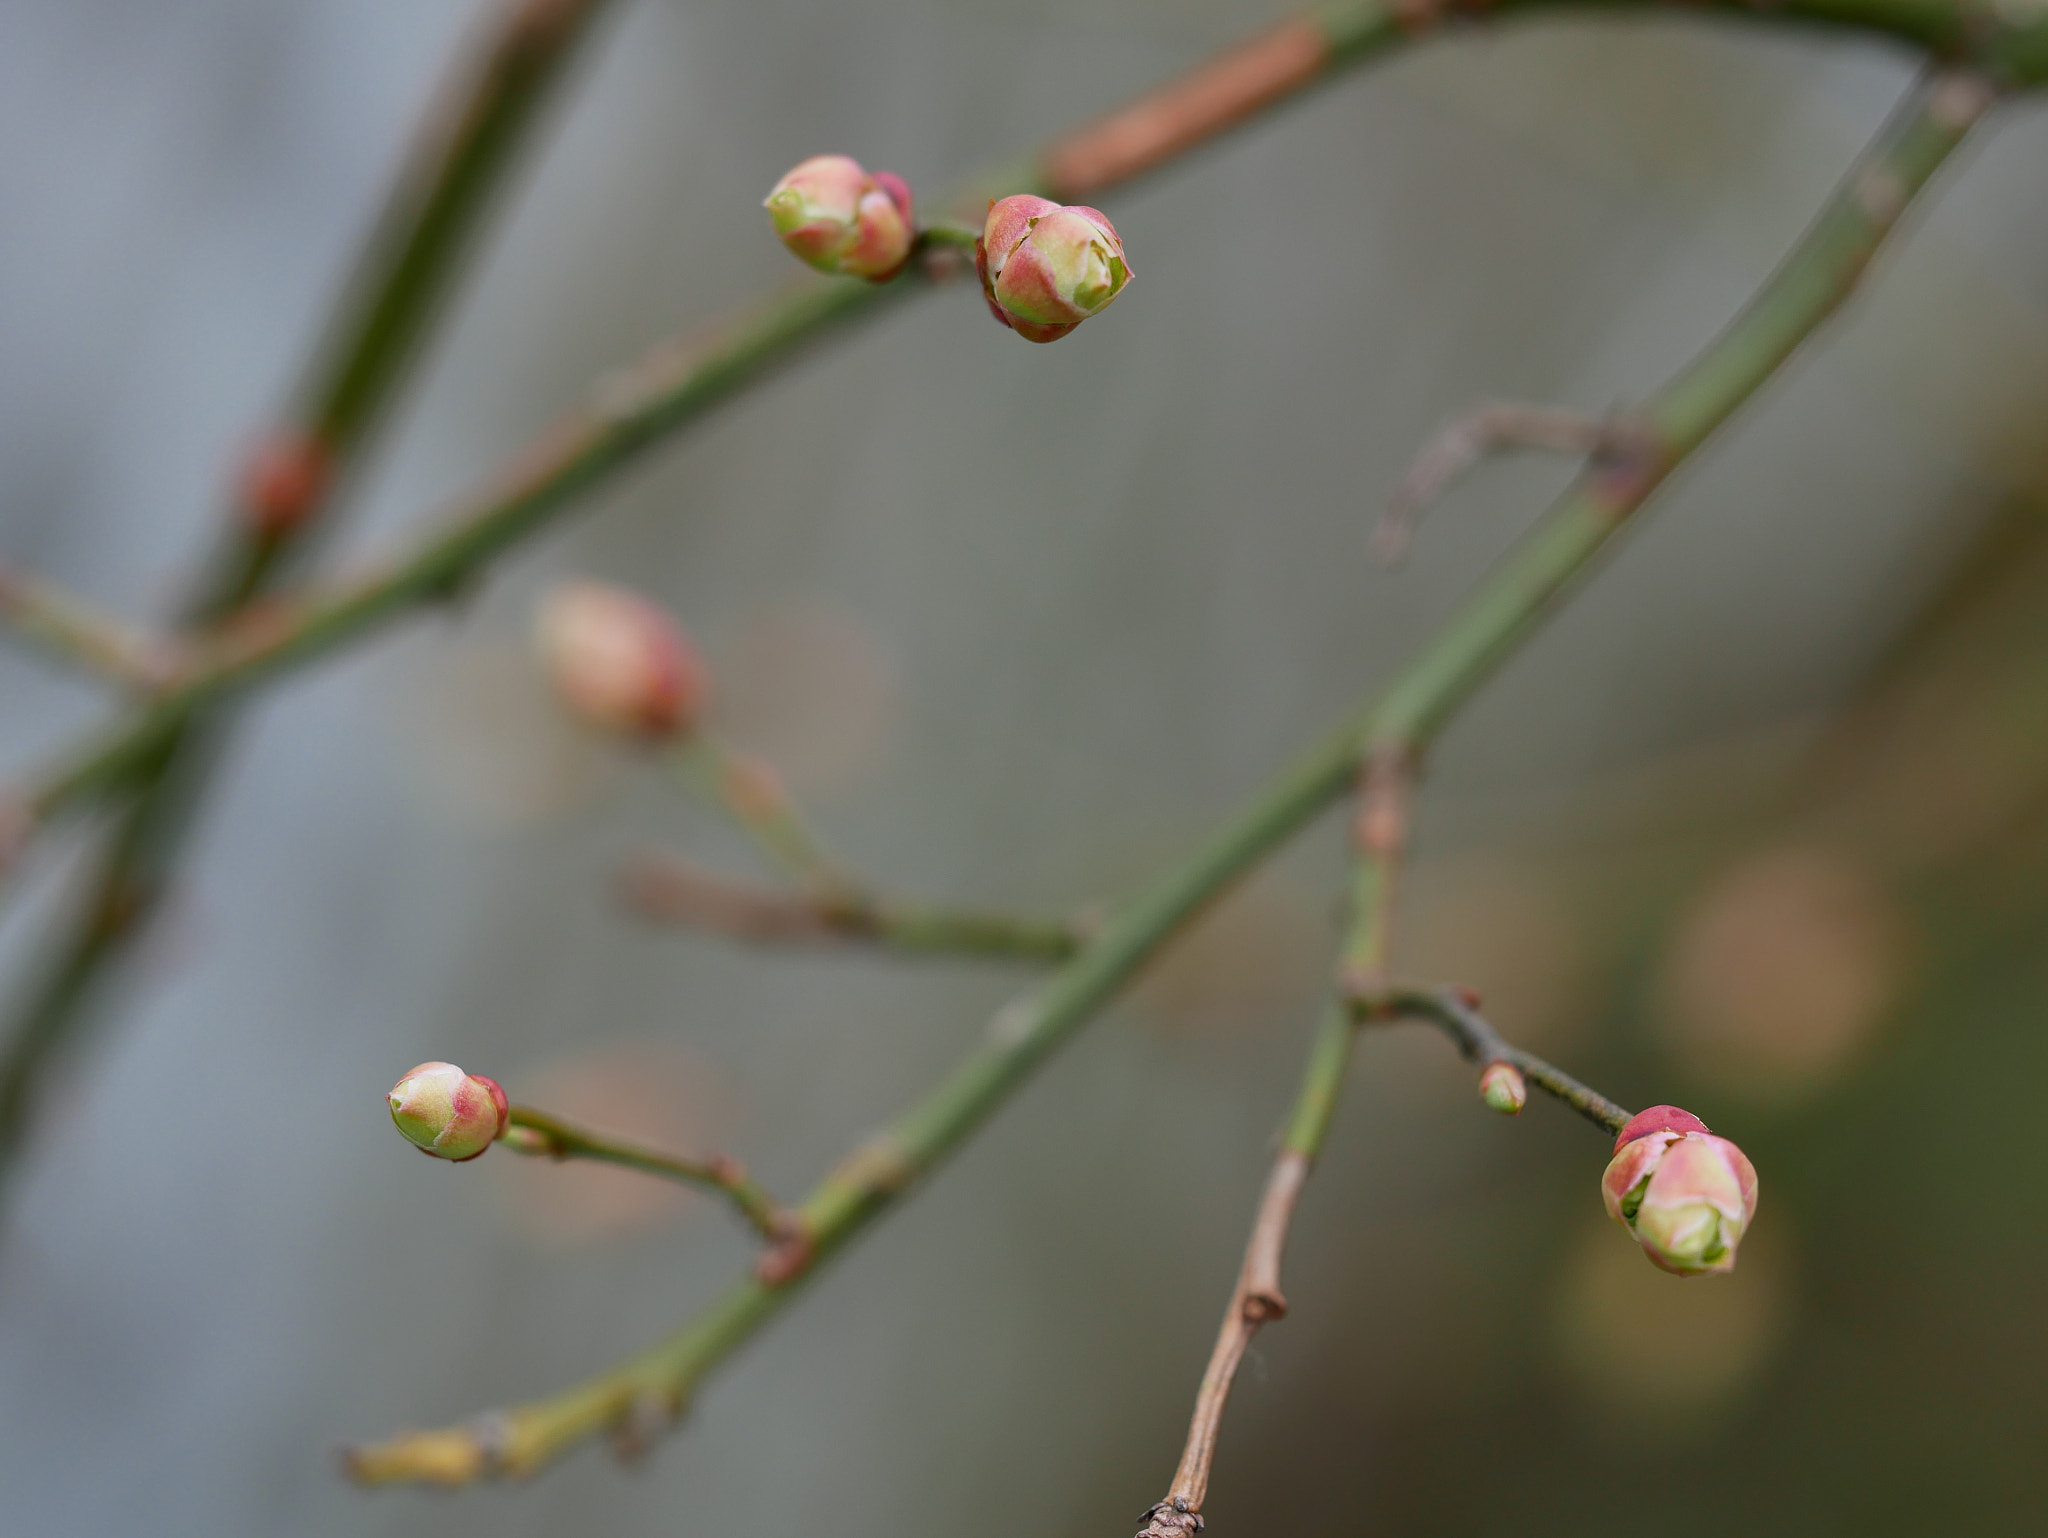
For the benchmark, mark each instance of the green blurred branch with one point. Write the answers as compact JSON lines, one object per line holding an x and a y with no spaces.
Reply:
{"x":414,"y":254}
{"x":1822,"y":270}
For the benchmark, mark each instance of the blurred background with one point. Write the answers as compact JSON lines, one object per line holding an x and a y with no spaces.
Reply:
{"x":1759,"y":825}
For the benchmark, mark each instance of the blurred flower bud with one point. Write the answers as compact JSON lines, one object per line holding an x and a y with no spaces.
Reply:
{"x":1503,"y":1088}
{"x":1686,"y":1195}
{"x":843,"y":219}
{"x":1046,"y":268}
{"x":281,"y":482}
{"x":619,"y":661}
{"x":448,"y":1113}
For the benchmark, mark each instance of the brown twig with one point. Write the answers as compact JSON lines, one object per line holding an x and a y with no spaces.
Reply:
{"x":1379,"y":835}
{"x":679,"y":892}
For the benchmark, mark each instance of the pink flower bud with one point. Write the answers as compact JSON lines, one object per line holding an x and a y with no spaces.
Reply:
{"x":448,"y":1113}
{"x":843,"y":219}
{"x":1503,"y":1088}
{"x":1686,"y":1195}
{"x":619,"y":661}
{"x":1046,"y":268}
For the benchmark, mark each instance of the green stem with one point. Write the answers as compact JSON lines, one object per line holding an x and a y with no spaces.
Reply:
{"x":1422,"y":696}
{"x":553,"y":1138}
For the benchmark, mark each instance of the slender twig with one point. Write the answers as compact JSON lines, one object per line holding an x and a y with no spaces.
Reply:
{"x":443,"y":189}
{"x":750,"y":791}
{"x":1812,"y":283}
{"x":1379,"y":835}
{"x":68,"y":628}
{"x":1458,"y":447}
{"x":687,"y":895}
{"x":1454,"y":1012}
{"x":539,"y":1134}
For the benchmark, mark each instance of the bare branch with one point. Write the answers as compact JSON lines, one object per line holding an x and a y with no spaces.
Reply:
{"x":538,"y":1134}
{"x":1456,"y":448}
{"x":681,"y":893}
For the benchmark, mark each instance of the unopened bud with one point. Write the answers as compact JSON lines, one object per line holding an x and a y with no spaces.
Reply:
{"x":1686,"y":1195}
{"x":282,"y":481}
{"x":1046,"y":268}
{"x":448,"y":1113}
{"x":842,"y":219}
{"x":619,"y":661}
{"x":1503,"y":1088}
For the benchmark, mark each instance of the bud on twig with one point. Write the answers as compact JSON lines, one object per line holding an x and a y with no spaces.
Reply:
{"x":448,"y":1113}
{"x":1503,"y":1088}
{"x":844,"y":220}
{"x":1686,"y":1195}
{"x":1046,"y":268}
{"x":619,"y":661}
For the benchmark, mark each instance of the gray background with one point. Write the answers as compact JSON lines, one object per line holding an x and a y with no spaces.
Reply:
{"x":1018,"y":622}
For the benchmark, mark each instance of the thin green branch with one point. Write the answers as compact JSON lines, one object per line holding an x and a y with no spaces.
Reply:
{"x":439,"y":199}
{"x":66,"y":627}
{"x":1479,"y":1043}
{"x":550,"y":1137}
{"x":1822,"y":269}
{"x":680,"y":893}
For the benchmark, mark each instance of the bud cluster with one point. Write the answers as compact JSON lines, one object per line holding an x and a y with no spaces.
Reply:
{"x":1686,"y":1195}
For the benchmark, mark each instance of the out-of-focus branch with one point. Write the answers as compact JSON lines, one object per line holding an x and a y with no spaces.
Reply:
{"x":71,"y":630}
{"x":1455,"y":1014}
{"x":678,"y":892}
{"x":1379,"y":834}
{"x":681,"y":380}
{"x":751,"y":793}
{"x":1811,"y":284}
{"x":443,"y":189}
{"x":1458,"y":447}
{"x":539,"y":1134}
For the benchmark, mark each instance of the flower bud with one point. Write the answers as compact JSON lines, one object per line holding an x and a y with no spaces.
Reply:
{"x":843,"y":219}
{"x":1046,"y":268}
{"x":1503,"y":1088}
{"x":619,"y":661}
{"x":448,"y":1113}
{"x":1686,"y":1195}
{"x":281,"y":482}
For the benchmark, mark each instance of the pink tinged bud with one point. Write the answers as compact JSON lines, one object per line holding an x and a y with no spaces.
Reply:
{"x":619,"y":661}
{"x":1046,"y":268}
{"x":836,"y":216}
{"x":448,"y":1113}
{"x":1503,"y":1088}
{"x":1659,"y":1118}
{"x":1686,"y":1195}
